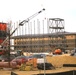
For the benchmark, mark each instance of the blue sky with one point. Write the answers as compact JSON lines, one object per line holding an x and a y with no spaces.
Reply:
{"x":16,"y":10}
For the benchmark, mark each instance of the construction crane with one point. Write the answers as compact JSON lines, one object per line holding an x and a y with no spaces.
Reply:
{"x":22,"y":23}
{"x":28,"y":19}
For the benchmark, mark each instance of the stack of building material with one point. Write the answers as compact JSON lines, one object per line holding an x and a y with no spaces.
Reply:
{"x":33,"y":61}
{"x":22,"y":67}
{"x":28,"y":66}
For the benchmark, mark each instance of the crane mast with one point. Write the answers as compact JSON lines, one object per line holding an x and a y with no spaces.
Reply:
{"x":22,"y":23}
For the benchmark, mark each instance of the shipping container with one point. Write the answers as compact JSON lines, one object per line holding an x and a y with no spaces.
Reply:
{"x":3,"y":29}
{"x":1,"y":40}
{"x":3,"y":26}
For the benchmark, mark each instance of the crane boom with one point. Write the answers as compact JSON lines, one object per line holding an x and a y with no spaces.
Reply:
{"x":22,"y":23}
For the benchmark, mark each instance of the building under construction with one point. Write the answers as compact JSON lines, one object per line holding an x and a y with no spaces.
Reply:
{"x":40,"y":36}
{"x":56,"y":37}
{"x":44,"y":43}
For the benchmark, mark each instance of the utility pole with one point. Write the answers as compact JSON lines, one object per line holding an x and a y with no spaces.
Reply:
{"x":9,"y":43}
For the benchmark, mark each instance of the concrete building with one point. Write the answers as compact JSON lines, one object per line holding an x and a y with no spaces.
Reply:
{"x":34,"y":41}
{"x":45,"y":42}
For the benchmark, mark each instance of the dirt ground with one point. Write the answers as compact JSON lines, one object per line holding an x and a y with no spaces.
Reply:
{"x":56,"y":61}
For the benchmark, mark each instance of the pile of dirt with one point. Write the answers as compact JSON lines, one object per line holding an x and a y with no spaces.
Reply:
{"x":58,"y":61}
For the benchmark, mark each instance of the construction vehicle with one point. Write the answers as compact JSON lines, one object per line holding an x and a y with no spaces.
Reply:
{"x":20,"y":24}
{"x":58,"y":51}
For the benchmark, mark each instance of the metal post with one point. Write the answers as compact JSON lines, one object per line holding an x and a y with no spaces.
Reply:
{"x":73,"y":72}
{"x":9,"y":46}
{"x":44,"y":66}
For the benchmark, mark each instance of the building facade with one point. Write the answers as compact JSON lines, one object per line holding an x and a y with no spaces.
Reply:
{"x":45,"y":42}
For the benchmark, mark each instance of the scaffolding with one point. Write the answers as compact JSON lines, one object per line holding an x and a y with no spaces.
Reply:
{"x":57,"y":29}
{"x":35,"y":40}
